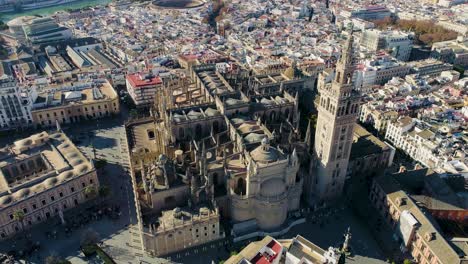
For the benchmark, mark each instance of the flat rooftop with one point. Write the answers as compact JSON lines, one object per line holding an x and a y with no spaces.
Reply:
{"x":138,"y":80}
{"x":68,"y":93}
{"x":37,"y":163}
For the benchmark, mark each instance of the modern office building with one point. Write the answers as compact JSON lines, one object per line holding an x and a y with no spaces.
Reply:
{"x":142,"y":88}
{"x":397,"y":43}
{"x":15,"y":105}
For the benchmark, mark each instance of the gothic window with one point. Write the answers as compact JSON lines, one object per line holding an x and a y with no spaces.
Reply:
{"x":286,"y":113}
{"x":22,"y":167}
{"x":338,"y":75}
{"x":198,"y":130}
{"x":272,"y":116}
{"x":181,"y":132}
{"x":348,"y":106}
{"x":328,"y":104}
{"x":215,"y":127}
{"x":240,"y":188}
{"x":15,"y":171}
{"x":215,"y":179}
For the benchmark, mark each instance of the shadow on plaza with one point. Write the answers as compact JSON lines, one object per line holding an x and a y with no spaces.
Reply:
{"x":100,"y":142}
{"x":53,"y":238}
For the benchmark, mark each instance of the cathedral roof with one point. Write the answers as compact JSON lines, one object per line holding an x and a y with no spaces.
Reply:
{"x":265,"y":153}
{"x":253,"y":137}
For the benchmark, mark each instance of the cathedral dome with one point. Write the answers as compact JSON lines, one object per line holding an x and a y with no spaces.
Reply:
{"x":272,"y":187}
{"x":265,"y":154}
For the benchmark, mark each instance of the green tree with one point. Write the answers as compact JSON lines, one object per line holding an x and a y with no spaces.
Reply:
{"x":101,"y":163}
{"x":90,"y":237}
{"x":19,"y":217}
{"x":104,"y":191}
{"x":407,"y":261}
{"x":89,"y":190}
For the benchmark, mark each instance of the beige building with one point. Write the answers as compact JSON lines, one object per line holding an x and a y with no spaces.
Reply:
{"x":73,"y":102}
{"x":181,"y":228}
{"x":268,"y":251}
{"x":41,"y":177}
{"x":431,"y":67}
{"x":268,"y":190}
{"x":376,"y":116}
{"x":416,"y":229}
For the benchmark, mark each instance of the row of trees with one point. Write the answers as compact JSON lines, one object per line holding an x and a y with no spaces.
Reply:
{"x":427,"y":32}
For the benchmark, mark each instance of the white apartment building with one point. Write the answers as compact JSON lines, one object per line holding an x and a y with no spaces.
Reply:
{"x":142,"y":88}
{"x":396,"y":134}
{"x":15,"y":105}
{"x":378,"y":71}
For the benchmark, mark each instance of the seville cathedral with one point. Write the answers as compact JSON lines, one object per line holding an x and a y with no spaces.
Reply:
{"x":228,"y":145}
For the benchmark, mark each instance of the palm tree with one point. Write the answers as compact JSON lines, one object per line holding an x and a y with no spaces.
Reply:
{"x":19,"y":217}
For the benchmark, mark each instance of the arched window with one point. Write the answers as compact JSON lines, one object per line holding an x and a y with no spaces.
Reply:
{"x":348,"y":106}
{"x":181,"y":133}
{"x":31,"y":165}
{"x":272,"y":116}
{"x":240,"y":189}
{"x":198,"y":130}
{"x":14,"y":169}
{"x":22,"y":167}
{"x":215,"y":127}
{"x":286,"y":113}
{"x":215,"y":179}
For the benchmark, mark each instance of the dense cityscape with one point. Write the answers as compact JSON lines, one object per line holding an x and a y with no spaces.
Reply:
{"x":234,"y":131}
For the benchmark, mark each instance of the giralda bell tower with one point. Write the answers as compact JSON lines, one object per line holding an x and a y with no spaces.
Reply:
{"x":338,"y":109}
